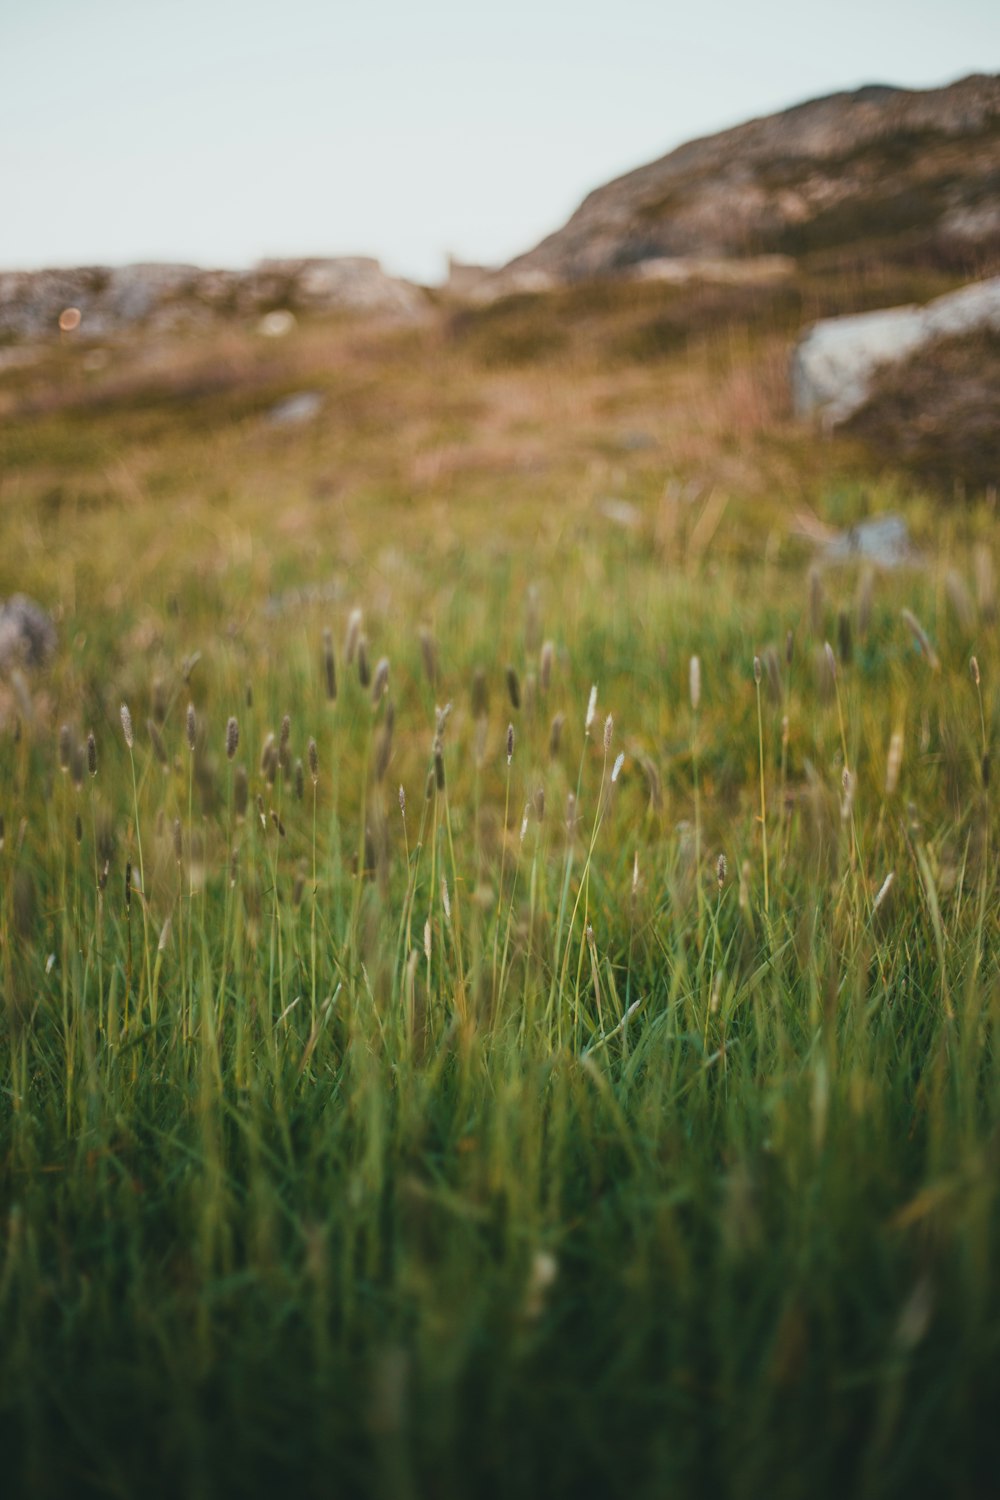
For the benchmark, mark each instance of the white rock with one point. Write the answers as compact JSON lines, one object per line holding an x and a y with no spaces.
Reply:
{"x":835,"y":360}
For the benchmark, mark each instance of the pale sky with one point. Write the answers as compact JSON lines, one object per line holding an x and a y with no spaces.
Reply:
{"x":221,"y":131}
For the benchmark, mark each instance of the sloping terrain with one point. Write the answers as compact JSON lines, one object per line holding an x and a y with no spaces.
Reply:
{"x":916,"y":171}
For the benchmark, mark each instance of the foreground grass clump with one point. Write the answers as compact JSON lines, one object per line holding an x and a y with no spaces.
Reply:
{"x":422,"y":1074}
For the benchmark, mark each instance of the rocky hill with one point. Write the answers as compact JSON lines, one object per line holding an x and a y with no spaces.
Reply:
{"x":894,"y":169}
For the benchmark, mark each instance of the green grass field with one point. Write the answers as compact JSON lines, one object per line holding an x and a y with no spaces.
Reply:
{"x":620,"y":1118}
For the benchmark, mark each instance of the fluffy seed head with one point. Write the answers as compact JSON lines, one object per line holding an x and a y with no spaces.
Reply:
{"x":617,"y":769}
{"x":192,"y":726}
{"x":591,"y":709}
{"x":974,"y":669}
{"x":510,"y":743}
{"x":353,"y":633}
{"x":694,"y":683}
{"x":884,"y":890}
{"x":232,"y":737}
{"x":720,"y":870}
{"x":127,"y":725}
{"x":313,"y":754}
{"x":364,"y":670}
{"x":894,"y":761}
{"x":757,"y":671}
{"x":609,"y":729}
{"x":831,"y":660}
{"x":381,"y":681}
{"x":921,"y":637}
{"x":402,"y":800}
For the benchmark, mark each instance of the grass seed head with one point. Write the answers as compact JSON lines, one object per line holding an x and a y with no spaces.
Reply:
{"x":894,"y":761}
{"x":694,"y":683}
{"x":617,"y":768}
{"x":381,"y":680}
{"x":364,"y":670}
{"x":329,"y":667}
{"x":513,"y":688}
{"x":510,"y":743}
{"x":126,"y":719}
{"x":831,"y":660}
{"x":191,"y":725}
{"x":91,"y":754}
{"x":354,"y":620}
{"x":609,"y":729}
{"x":545,"y":665}
{"x":313,"y":755}
{"x":555,"y":734}
{"x":232,"y":737}
{"x":591,"y":709}
{"x":428,"y":652}
{"x":921,"y":637}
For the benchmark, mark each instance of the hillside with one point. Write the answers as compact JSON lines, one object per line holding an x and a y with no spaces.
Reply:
{"x":912,"y":172}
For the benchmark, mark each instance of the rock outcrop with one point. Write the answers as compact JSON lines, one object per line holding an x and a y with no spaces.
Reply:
{"x":27,"y":634}
{"x":879,"y":165}
{"x":111,"y":299}
{"x":835,"y":363}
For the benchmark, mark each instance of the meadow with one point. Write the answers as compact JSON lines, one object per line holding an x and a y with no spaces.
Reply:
{"x":498,"y":944}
